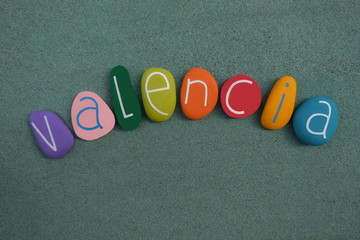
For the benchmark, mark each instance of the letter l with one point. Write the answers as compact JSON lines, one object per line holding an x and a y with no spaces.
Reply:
{"x":120,"y":100}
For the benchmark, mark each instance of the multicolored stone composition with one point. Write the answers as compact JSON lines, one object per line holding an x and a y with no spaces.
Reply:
{"x":314,"y":122}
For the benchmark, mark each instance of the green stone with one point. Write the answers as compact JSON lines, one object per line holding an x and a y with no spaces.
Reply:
{"x":126,"y":105}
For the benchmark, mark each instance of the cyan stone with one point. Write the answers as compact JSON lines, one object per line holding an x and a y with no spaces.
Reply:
{"x":315,"y":121}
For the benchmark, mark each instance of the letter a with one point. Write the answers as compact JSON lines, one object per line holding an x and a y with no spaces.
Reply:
{"x":323,"y":133}
{"x":96,"y":108}
{"x":91,"y":122}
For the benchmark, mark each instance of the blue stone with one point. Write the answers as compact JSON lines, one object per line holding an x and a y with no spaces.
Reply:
{"x":315,"y":121}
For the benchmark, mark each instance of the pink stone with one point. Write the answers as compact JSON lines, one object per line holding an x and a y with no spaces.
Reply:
{"x":91,"y":117}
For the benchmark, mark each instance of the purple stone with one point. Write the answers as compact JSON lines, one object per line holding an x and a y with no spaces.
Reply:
{"x":52,"y":135}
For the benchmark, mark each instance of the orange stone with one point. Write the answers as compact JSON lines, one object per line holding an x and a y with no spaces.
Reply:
{"x":280,"y":104}
{"x":199,"y":93}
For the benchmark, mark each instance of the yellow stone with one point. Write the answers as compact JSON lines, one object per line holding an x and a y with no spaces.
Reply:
{"x":280,"y":104}
{"x":158,"y":92}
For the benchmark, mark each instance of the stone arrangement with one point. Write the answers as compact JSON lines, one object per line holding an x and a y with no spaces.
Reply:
{"x":314,"y":122}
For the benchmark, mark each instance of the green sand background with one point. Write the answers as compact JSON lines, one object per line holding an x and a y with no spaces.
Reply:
{"x":215,"y":178}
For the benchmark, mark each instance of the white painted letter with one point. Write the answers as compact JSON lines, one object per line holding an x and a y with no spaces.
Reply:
{"x":320,"y":115}
{"x":120,"y":101}
{"x":228,"y":95}
{"x":156,"y":90}
{"x":52,"y":145}
{"x":188,"y":89}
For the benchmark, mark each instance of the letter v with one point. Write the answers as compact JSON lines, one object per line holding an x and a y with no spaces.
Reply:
{"x":53,"y":144}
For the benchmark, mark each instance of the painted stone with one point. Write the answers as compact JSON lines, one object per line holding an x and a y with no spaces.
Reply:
{"x":280,"y":104}
{"x":90,"y":116}
{"x":126,"y":105}
{"x":158,"y":92}
{"x":199,"y":93}
{"x":315,"y":120}
{"x":52,"y":135}
{"x":240,"y":96}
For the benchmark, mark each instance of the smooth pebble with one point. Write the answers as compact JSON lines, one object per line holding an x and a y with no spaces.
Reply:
{"x":199,"y":93}
{"x":52,"y":135}
{"x":315,"y":120}
{"x":240,"y":96}
{"x":280,"y":104}
{"x":91,"y":117}
{"x":126,"y":104}
{"x":158,"y":92}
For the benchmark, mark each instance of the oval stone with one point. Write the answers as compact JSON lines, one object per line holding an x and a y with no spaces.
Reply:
{"x":240,"y":96}
{"x":52,"y":135}
{"x":280,"y":104}
{"x":126,"y":105}
{"x":315,"y":120}
{"x":90,"y":116}
{"x":199,"y":93}
{"x":158,"y":92}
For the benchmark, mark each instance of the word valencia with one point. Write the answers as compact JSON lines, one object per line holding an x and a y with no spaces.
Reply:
{"x":314,"y":122}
